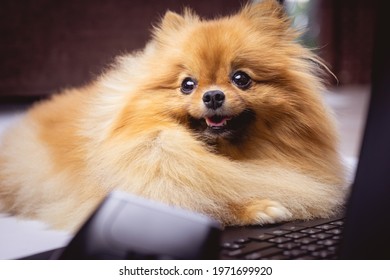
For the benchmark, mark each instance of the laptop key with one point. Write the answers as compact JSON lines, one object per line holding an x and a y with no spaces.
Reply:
{"x":335,"y":231}
{"x":312,"y":247}
{"x":295,"y":235}
{"x":288,"y":245}
{"x":279,"y":232}
{"x":321,"y":235}
{"x":326,"y":226}
{"x":295,"y":253}
{"x":249,"y":248}
{"x":278,"y":257}
{"x":279,"y":239}
{"x":242,"y":241}
{"x":328,"y":242}
{"x":261,"y":237}
{"x":332,"y":248}
{"x":337,"y":223}
{"x":263,"y":253}
{"x":323,"y":254}
{"x":311,"y":230}
{"x":305,"y":240}
{"x":231,"y":246}
{"x":292,"y":228}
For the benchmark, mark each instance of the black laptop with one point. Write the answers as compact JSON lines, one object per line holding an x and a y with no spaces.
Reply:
{"x":363,"y":232}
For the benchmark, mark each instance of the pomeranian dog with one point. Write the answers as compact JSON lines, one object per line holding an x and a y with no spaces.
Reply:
{"x":223,"y":117}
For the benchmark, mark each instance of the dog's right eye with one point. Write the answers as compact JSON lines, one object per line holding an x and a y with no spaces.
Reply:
{"x":188,"y":85}
{"x":241,"y":79}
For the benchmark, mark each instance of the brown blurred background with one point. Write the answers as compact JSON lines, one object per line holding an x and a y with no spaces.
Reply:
{"x":48,"y":45}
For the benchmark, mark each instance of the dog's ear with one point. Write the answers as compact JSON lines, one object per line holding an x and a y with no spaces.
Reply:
{"x":264,"y":8}
{"x":172,"y":23}
{"x":267,"y":14}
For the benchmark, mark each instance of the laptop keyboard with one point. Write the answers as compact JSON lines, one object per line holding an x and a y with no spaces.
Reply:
{"x":288,"y":242}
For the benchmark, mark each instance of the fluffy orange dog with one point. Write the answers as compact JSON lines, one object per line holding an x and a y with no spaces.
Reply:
{"x":223,"y":117}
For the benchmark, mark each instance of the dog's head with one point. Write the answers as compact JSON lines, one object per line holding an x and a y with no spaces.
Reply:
{"x":234,"y":77}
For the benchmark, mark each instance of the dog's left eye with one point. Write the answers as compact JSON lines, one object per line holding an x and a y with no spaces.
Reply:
{"x":241,"y":79}
{"x":188,"y":85}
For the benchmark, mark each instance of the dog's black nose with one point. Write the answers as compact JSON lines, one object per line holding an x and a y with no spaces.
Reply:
{"x":213,"y":99}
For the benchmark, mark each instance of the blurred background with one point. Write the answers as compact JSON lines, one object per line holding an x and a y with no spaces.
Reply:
{"x":47,"y":45}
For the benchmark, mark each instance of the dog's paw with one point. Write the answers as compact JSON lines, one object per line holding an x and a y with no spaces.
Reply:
{"x":265,"y":211}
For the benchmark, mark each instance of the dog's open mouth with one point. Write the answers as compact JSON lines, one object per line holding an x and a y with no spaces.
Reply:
{"x":229,"y":127}
{"x":217,"y":122}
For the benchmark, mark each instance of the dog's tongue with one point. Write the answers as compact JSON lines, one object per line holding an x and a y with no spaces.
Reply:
{"x":217,"y":121}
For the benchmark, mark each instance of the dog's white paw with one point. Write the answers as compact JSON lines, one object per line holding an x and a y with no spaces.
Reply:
{"x":265,"y":211}
{"x":273,"y":213}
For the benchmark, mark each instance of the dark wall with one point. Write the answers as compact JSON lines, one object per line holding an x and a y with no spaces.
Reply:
{"x":346,"y":38}
{"x":47,"y":45}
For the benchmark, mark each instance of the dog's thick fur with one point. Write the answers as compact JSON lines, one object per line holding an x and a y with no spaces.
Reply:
{"x":134,"y":129}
